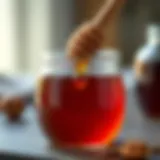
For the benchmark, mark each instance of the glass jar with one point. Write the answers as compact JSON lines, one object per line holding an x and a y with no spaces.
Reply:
{"x":147,"y":87}
{"x":147,"y":69}
{"x":81,"y":112}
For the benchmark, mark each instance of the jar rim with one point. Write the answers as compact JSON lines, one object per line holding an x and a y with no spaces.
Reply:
{"x":61,"y":54}
{"x":106,"y":61}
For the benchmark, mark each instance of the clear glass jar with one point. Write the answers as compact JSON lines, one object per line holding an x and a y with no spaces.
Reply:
{"x":81,"y":112}
{"x":147,"y":69}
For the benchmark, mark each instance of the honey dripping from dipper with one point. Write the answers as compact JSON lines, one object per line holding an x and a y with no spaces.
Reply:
{"x":80,"y":81}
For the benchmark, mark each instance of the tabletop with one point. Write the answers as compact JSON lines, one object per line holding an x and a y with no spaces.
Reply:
{"x":26,"y":138}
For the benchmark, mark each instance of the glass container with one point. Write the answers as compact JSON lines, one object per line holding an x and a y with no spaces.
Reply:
{"x":83,"y":112}
{"x":147,"y":87}
{"x":147,"y":69}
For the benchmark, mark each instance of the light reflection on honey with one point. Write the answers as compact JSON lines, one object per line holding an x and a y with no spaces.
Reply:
{"x":80,"y":83}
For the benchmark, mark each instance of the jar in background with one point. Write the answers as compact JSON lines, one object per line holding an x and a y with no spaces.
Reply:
{"x":147,"y":70}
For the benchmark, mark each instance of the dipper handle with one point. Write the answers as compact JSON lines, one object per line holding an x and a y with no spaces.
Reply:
{"x":107,"y":12}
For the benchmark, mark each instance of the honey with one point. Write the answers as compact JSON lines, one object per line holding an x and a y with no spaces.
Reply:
{"x":85,"y":110}
{"x":88,"y":117}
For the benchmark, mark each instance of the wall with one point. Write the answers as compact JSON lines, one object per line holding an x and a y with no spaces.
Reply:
{"x":7,"y":37}
{"x":50,"y":22}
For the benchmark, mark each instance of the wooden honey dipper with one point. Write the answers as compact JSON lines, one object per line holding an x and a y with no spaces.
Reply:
{"x":89,"y":37}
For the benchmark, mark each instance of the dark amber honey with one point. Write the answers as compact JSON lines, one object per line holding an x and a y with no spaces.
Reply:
{"x":149,"y":93}
{"x":81,"y":111}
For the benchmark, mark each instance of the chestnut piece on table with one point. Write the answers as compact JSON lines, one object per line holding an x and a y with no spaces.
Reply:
{"x":112,"y":154}
{"x":112,"y":151}
{"x":13,"y":107}
{"x":1,"y":104}
{"x":135,"y":150}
